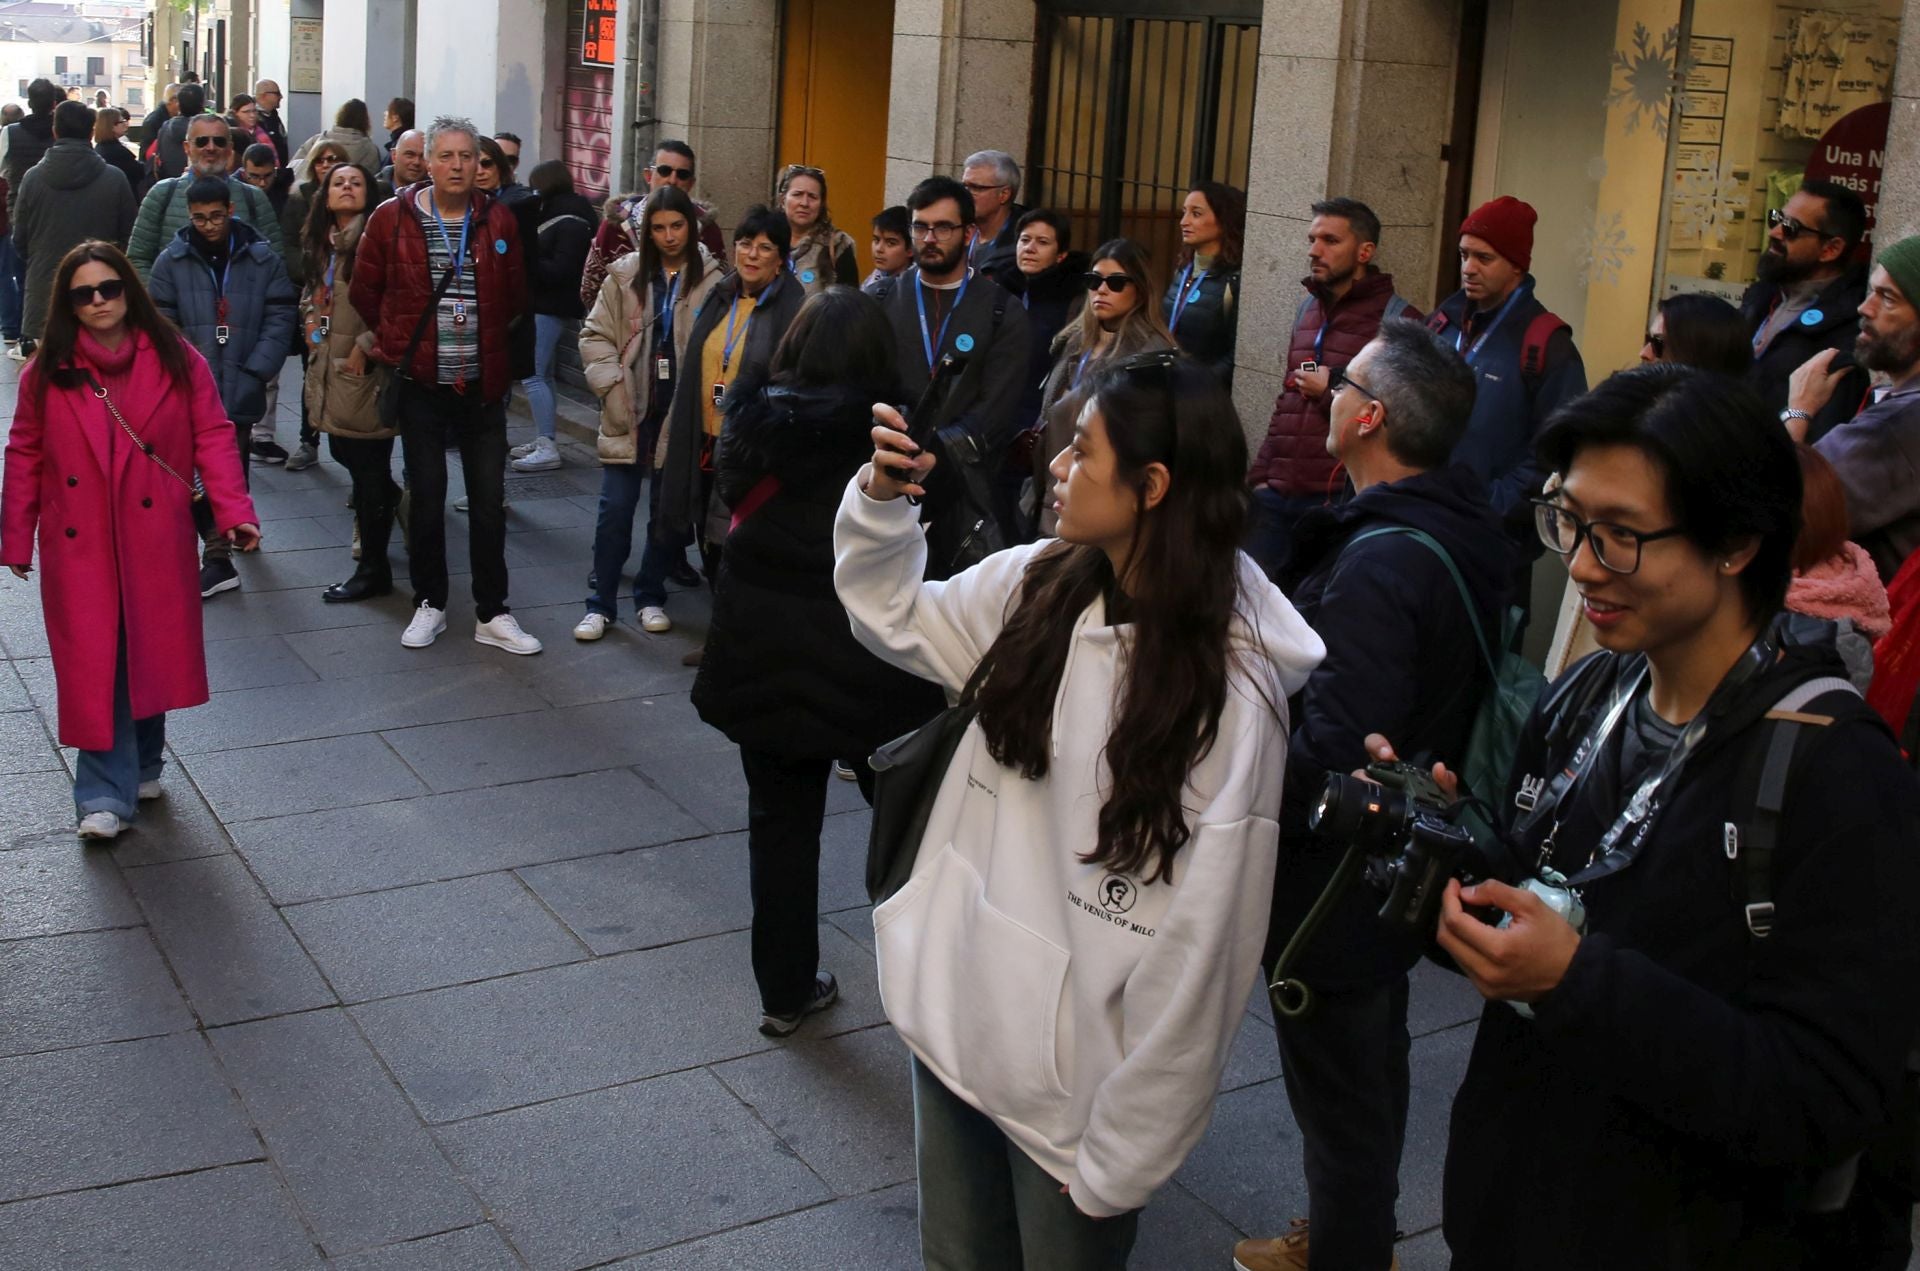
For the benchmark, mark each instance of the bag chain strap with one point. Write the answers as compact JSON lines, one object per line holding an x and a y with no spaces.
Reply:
{"x":100,"y":391}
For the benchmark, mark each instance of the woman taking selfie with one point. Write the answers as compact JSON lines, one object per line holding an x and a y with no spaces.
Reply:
{"x":1072,"y":955}
{"x":1733,"y":1020}
{"x":116,"y":413}
{"x":822,"y":255}
{"x":1120,"y":318}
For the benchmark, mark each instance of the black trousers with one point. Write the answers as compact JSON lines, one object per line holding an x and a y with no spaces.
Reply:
{"x":1346,"y":1070}
{"x":432,"y":418}
{"x":786,"y":803}
{"x":370,"y":463}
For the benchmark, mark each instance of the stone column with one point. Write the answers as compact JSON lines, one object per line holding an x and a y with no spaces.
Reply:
{"x":166,"y":52}
{"x":241,"y":60}
{"x":717,"y":88}
{"x":1898,"y":213}
{"x":487,"y":60}
{"x":364,"y":47}
{"x":963,"y":80}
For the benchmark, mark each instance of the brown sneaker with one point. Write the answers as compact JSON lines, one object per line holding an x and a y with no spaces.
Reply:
{"x":1282,"y":1253}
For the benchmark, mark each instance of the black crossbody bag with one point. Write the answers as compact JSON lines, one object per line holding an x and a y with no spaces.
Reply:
{"x":390,"y":391}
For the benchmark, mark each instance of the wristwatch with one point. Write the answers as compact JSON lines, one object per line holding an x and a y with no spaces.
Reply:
{"x":1788,"y":415}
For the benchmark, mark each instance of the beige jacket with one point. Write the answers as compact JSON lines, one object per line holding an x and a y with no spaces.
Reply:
{"x":338,"y":401}
{"x":613,"y":350}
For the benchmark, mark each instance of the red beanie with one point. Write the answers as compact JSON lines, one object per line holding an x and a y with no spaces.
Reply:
{"x":1507,"y":225}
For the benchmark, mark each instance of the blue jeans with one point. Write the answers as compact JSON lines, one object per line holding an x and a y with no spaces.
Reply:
{"x":547,"y":331}
{"x":620,"y":486}
{"x":109,"y":780}
{"x":13,"y":291}
{"x":985,"y":1205}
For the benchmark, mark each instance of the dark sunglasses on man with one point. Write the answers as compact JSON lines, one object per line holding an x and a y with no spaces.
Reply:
{"x":205,"y":140}
{"x":111,"y":289}
{"x":1116,"y":283}
{"x":1791,"y":229}
{"x":668,"y":170}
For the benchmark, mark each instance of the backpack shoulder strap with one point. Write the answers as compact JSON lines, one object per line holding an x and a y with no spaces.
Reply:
{"x":1306,"y":307}
{"x":1432,"y":544}
{"x":1533,"y":345}
{"x":1762,"y":787}
{"x":1397,"y":304}
{"x":1437,"y":320}
{"x":173,"y":186}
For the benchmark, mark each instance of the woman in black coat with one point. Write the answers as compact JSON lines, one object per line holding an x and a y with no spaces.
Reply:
{"x":783,"y":675}
{"x":109,"y":126}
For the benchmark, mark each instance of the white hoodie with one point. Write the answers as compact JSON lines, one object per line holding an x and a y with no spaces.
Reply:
{"x":1087,"y":1013}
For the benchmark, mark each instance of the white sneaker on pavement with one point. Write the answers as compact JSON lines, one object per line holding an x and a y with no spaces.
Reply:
{"x":591,"y":627}
{"x":100,"y":825}
{"x":425,"y":628}
{"x":653,"y":618}
{"x":544,"y":457}
{"x":522,"y":450}
{"x":504,"y":632}
{"x":149,"y":790}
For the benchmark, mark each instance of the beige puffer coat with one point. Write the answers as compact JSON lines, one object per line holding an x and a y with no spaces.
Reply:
{"x":614,"y":341}
{"x":338,"y":401}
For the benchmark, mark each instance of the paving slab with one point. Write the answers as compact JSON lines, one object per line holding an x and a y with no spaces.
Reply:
{"x":254,"y":662}
{"x":844,"y":1104}
{"x":680,"y":891}
{"x":1438,"y":999}
{"x":178,"y":826}
{"x":876,"y":1232}
{"x":250,"y":782}
{"x":358,"y":652}
{"x":13,"y":693}
{"x":114,"y":1113}
{"x":564,"y":513}
{"x":1179,"y":1233}
{"x":469,"y":1249}
{"x":343,"y":851}
{"x":478,"y":1048}
{"x":59,"y":887}
{"x":243,"y":613}
{"x":299,"y":534}
{"x":406,"y":939}
{"x":232,"y":1219}
{"x":620,"y":1171}
{"x":89,"y":987}
{"x":226,"y":942}
{"x":471,"y":753}
{"x":363,"y":1168}
{"x":1253,"y":1058}
{"x":25,"y":745}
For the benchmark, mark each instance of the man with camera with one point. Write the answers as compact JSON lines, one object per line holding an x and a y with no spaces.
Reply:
{"x":1375,"y":577}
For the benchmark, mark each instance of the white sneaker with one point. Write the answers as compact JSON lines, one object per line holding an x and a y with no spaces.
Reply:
{"x":591,"y":627}
{"x":544,"y":457}
{"x":522,"y":450}
{"x":504,"y":633}
{"x":653,"y":618}
{"x":426,"y":626}
{"x":100,"y":825}
{"x":149,"y":791}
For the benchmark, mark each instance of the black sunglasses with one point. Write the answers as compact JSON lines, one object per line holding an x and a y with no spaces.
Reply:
{"x":668,"y":170}
{"x":487,"y":163}
{"x":1339,"y":379}
{"x":1791,"y":229}
{"x":218,"y":143}
{"x":1116,"y":283}
{"x":112,"y":289}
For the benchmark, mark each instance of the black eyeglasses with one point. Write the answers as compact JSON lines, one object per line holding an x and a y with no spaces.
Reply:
{"x":1791,"y":229}
{"x":668,"y":170}
{"x":1116,"y":283}
{"x":1338,"y":379}
{"x":939,"y":229}
{"x":975,"y":187}
{"x":112,"y":289}
{"x":1616,"y":547}
{"x":218,"y":143}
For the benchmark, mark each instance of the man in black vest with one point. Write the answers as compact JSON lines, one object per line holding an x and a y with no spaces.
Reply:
{"x":1808,"y":296}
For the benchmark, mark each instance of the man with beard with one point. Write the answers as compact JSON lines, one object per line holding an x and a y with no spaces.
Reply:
{"x":1807,"y":295}
{"x":1346,"y":300}
{"x":1877,"y":452}
{"x":942,"y":307}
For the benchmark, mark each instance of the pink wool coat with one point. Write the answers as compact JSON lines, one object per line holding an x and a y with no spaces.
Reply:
{"x":116,"y":537}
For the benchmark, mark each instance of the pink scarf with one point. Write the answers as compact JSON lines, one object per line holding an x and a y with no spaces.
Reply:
{"x":113,"y":366}
{"x":1844,"y":586}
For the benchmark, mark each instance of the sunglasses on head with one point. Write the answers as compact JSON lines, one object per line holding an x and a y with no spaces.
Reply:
{"x":668,"y":170}
{"x":1116,"y":283}
{"x":218,"y":143}
{"x":112,"y":289}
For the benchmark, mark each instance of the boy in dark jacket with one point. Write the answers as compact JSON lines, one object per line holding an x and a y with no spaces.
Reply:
{"x":226,"y":289}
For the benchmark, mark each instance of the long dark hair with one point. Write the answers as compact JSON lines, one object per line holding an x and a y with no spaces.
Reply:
{"x":353,"y":114}
{"x":668,"y":198}
{"x":316,"y":237}
{"x":63,"y":328}
{"x":1142,"y":328}
{"x":840,"y":338}
{"x":1705,"y":331}
{"x":1183,"y":574}
{"x":1229,"y":204}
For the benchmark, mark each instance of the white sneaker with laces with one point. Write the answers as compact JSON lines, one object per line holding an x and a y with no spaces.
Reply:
{"x":149,"y":791}
{"x":522,"y":450}
{"x":504,"y":632}
{"x":100,"y":825}
{"x":544,"y":457}
{"x":653,"y":618}
{"x":425,"y":628}
{"x":591,"y":627}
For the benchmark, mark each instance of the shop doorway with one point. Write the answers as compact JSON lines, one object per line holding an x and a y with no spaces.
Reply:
{"x":1133,"y":108}
{"x":836,"y":63}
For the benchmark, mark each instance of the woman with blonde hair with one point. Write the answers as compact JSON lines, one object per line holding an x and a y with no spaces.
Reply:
{"x":822,"y":255}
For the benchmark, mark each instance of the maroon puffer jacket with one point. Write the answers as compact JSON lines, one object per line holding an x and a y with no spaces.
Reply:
{"x":1294,"y":459}
{"x":391,"y":286}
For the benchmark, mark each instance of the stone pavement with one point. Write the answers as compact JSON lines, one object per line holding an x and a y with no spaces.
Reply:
{"x":438,"y":960}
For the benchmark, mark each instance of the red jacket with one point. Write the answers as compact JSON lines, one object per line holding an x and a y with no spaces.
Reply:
{"x":391,"y":286}
{"x":1294,"y":460}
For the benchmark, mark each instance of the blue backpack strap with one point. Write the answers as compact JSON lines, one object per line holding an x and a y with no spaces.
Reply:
{"x":1397,"y":304}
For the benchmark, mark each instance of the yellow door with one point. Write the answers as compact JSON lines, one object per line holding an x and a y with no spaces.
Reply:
{"x":836,"y":64}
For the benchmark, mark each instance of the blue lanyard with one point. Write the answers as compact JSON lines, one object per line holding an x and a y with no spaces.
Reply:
{"x":1183,"y":297}
{"x":1079,"y":369}
{"x":665,"y":317}
{"x":1470,"y":351}
{"x":333,"y":259}
{"x":1320,"y":336}
{"x":726,"y":352}
{"x":930,"y":341}
{"x":458,"y":263}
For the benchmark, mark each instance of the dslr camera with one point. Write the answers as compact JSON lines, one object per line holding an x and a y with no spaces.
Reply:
{"x":1404,"y":824}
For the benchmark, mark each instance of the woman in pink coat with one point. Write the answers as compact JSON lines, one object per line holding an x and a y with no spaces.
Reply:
{"x":115,"y":414}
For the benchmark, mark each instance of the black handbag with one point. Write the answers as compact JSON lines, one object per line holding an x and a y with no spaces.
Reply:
{"x":907,"y":773}
{"x":390,"y":391}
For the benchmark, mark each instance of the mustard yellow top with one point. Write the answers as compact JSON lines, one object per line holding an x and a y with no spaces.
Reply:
{"x":714,"y":368}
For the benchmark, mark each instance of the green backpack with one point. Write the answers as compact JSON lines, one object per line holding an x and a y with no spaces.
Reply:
{"x":1514,"y":686}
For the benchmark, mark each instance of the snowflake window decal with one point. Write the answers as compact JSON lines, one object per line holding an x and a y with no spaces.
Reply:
{"x":1647,"y":80}
{"x":1603,"y":250}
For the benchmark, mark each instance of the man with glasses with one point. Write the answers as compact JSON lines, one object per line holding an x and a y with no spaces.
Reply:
{"x":992,"y":179}
{"x":163,"y":213}
{"x":266,"y":103}
{"x":944,"y":308}
{"x":1405,"y":652}
{"x":1808,"y":295}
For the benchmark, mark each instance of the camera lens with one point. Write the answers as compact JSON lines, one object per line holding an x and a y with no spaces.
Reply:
{"x":1354,"y":810}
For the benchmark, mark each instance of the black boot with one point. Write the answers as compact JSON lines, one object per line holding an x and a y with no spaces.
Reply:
{"x":373,"y":576}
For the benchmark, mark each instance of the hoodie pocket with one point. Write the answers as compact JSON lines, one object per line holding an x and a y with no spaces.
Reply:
{"x":978,"y":993}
